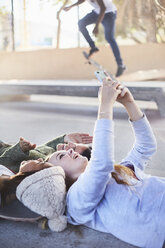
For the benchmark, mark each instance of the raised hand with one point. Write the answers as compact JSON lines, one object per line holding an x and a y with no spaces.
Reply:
{"x":26,"y":145}
{"x":95,"y":31}
{"x":125,"y":96}
{"x":108,"y":94}
{"x":127,"y":99}
{"x":83,"y":138}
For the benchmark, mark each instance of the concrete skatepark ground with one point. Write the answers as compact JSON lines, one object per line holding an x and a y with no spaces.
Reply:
{"x":42,"y":119}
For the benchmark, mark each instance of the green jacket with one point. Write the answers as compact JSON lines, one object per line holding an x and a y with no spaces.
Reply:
{"x":13,"y":155}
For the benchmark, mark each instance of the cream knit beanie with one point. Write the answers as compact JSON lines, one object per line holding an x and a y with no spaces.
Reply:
{"x":44,"y":192}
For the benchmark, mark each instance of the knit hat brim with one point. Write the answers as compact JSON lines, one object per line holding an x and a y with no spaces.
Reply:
{"x":39,"y":175}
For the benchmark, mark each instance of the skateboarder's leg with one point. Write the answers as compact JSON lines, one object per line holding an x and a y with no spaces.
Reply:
{"x":109,"y":31}
{"x":85,"y":21}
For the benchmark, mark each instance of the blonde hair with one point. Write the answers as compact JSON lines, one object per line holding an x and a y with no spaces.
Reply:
{"x":122,"y":174}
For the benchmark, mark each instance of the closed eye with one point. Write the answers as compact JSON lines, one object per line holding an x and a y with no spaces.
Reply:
{"x":61,"y":155}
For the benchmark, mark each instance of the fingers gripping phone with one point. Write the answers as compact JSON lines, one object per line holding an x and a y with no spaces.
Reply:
{"x":100,"y":75}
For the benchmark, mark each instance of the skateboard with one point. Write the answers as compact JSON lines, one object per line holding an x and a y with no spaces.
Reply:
{"x":16,"y":211}
{"x":97,"y":65}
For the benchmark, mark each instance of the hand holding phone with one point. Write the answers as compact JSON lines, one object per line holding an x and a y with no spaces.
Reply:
{"x":100,"y":75}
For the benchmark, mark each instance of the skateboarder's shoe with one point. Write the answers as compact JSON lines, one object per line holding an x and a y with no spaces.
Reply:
{"x":120,"y":70}
{"x":92,"y":50}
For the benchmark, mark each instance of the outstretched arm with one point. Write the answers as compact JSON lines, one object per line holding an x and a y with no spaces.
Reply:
{"x":128,"y":101}
{"x":90,"y":187}
{"x":107,"y":95}
{"x":145,"y":142}
{"x":67,"y":8}
{"x":83,"y":138}
{"x":13,"y":156}
{"x":100,"y":16}
{"x":16,"y":154}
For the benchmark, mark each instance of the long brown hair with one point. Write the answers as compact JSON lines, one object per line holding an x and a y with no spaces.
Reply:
{"x":122,"y":173}
{"x":8,"y":186}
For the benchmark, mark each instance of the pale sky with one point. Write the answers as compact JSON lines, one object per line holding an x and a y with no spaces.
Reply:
{"x":43,"y":14}
{"x":42,"y":24}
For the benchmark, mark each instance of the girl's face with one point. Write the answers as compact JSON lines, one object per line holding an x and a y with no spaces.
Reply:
{"x":80,"y":148}
{"x":72,"y":162}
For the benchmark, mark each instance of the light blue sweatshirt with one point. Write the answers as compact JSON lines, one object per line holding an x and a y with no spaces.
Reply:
{"x":134,"y":214}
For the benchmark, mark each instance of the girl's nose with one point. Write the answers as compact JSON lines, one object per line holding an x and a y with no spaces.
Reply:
{"x":66,"y":147}
{"x":70,"y":151}
{"x":70,"y":144}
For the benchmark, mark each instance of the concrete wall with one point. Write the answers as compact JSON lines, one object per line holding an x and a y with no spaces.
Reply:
{"x":70,"y":63}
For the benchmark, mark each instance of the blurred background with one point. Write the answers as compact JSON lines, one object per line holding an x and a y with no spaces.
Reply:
{"x":42,"y":25}
{"x":28,"y":24}
{"x":40,"y":45}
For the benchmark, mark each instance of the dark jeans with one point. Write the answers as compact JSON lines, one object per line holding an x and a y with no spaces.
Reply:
{"x":109,"y":31}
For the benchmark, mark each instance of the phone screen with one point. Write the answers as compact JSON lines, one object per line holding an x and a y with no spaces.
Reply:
{"x":100,"y":75}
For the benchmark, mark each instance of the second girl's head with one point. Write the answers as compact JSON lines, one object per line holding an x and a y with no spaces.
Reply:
{"x":82,"y":149}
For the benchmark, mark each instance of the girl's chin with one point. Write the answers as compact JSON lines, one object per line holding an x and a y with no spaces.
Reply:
{"x":85,"y":161}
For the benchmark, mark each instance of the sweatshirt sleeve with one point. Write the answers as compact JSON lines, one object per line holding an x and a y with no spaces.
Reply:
{"x":13,"y":156}
{"x":14,"y":153}
{"x":86,"y":193}
{"x":144,"y":146}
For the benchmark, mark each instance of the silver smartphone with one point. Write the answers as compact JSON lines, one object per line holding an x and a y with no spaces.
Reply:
{"x":100,"y":75}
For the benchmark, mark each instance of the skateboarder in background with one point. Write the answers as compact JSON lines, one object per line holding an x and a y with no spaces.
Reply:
{"x":104,"y":12}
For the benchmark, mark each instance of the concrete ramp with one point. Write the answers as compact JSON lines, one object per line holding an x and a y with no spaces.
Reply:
{"x":147,"y":75}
